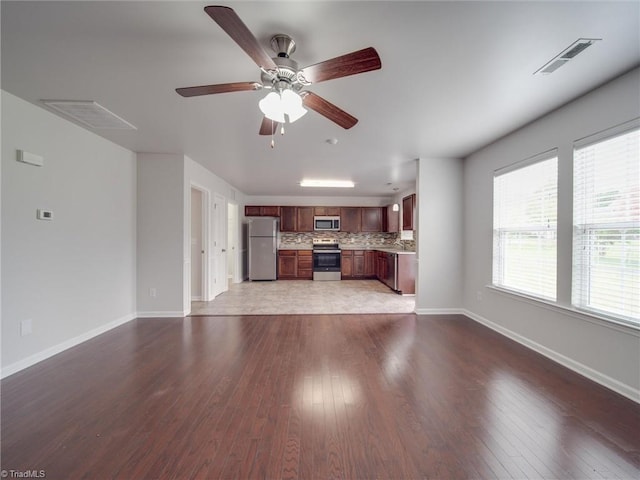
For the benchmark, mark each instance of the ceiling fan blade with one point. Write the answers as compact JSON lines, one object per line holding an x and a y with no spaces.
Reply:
{"x":329,"y":110}
{"x":219,"y":88}
{"x":350,"y":64}
{"x":268,"y":126}
{"x":230,"y":22}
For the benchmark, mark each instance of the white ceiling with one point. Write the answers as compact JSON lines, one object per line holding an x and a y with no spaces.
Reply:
{"x":455,"y":76}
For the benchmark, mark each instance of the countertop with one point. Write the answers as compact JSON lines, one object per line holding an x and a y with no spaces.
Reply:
{"x":351,"y":247}
{"x":379,"y":249}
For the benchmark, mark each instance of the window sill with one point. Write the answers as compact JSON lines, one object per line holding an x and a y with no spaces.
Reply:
{"x":619,"y":325}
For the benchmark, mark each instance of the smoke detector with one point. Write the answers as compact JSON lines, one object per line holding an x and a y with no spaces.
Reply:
{"x":566,"y":55}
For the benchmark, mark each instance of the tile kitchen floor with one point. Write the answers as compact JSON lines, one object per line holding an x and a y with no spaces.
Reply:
{"x":305,"y":297}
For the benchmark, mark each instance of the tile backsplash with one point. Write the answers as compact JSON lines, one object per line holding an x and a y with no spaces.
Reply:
{"x":304,"y":240}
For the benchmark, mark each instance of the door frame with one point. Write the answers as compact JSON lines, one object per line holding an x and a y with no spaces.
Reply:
{"x":206,"y":226}
{"x":218,"y":245}
{"x":234,"y":256}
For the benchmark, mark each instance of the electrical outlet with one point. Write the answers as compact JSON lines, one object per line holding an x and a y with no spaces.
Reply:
{"x":479,"y":295}
{"x":153,"y":292}
{"x":26,"y":327}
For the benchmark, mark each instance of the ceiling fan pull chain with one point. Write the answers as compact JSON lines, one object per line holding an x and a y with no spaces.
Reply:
{"x":273,"y":143}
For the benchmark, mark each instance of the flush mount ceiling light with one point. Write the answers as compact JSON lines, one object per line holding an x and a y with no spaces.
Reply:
{"x":567,"y":54}
{"x":328,"y":183}
{"x":90,"y":114}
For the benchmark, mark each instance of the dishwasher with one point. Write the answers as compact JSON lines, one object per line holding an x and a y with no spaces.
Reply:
{"x":391,"y":277}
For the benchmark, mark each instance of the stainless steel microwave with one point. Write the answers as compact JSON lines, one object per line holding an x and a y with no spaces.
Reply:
{"x":327,"y":224}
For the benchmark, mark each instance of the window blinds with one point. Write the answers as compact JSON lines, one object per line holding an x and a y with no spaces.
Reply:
{"x":525,"y":228}
{"x":606,"y":225}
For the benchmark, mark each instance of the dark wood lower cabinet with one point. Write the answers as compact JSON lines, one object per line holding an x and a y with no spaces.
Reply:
{"x":355,"y":264}
{"x":370,"y":263}
{"x":295,"y":264}
{"x":358,"y":264}
{"x":305,"y":264}
{"x":287,"y":264}
{"x":346,"y":262}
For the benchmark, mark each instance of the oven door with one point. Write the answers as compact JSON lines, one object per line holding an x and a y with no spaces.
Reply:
{"x":326,"y":261}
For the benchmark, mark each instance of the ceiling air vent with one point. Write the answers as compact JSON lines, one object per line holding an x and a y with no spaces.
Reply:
{"x":567,"y":54}
{"x":89,"y":113}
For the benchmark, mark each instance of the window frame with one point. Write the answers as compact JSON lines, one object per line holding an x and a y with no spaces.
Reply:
{"x":497,"y":233}
{"x":579,"y":267}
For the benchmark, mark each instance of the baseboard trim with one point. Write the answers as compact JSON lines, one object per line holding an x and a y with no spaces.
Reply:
{"x":162,"y":314}
{"x":584,"y":370}
{"x":439,"y":311}
{"x":61,"y":347}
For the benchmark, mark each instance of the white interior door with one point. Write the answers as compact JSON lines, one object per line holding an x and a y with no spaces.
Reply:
{"x":232,"y":243}
{"x":197,"y":247}
{"x":218,"y":260}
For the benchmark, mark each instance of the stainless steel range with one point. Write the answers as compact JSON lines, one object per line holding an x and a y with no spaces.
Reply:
{"x":326,"y":259}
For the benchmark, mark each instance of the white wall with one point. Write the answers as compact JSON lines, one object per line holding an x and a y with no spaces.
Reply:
{"x":160,"y":234}
{"x":74,"y":276}
{"x":439,"y":243}
{"x":164,"y":230}
{"x":605,"y":352}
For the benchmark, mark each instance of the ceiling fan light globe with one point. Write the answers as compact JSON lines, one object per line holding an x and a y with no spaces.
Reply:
{"x":296,"y":113}
{"x":290,"y":100}
{"x":271,"y":106}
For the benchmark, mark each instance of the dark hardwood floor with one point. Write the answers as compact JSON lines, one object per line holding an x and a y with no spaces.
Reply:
{"x":351,"y":396}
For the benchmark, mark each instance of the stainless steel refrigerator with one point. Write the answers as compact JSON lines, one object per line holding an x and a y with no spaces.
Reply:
{"x":263,"y":245}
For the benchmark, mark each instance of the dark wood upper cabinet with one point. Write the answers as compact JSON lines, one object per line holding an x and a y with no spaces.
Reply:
{"x":251,"y":211}
{"x":408,"y":207}
{"x":261,"y":211}
{"x":393,"y":220}
{"x":305,"y":219}
{"x":270,"y":211}
{"x":288,"y":219}
{"x":371,"y":219}
{"x":329,"y":211}
{"x":350,"y":219}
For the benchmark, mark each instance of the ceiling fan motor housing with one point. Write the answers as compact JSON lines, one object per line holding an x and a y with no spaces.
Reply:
{"x":283,"y":45}
{"x":286,"y":74}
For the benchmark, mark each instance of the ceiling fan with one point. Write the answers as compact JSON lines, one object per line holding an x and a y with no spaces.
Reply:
{"x":282,"y":76}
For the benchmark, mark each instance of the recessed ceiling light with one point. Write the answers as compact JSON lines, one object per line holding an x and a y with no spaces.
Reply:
{"x":567,"y":54}
{"x":332,"y":141}
{"x":328,"y":183}
{"x":89,"y":113}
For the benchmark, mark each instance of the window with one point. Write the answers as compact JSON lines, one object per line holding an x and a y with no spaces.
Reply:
{"x":606,"y":225}
{"x":525,"y":227}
